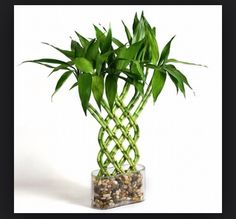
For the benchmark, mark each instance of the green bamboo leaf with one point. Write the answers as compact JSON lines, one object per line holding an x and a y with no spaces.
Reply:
{"x":180,"y":79}
{"x":153,"y":47}
{"x":117,"y":42}
{"x":61,"y":81}
{"x":139,"y":33}
{"x":76,"y":49}
{"x":129,"y":37}
{"x":121,"y":60}
{"x":73,"y":45}
{"x":175,"y":81}
{"x":101,"y":38}
{"x":173,"y":72}
{"x":68,"y":54}
{"x":84,"y":42}
{"x":181,"y":87}
{"x":177,"y":74}
{"x":131,"y":74}
{"x":99,"y":34}
{"x":158,"y":81}
{"x":165,"y":52}
{"x":90,"y":43}
{"x":135,"y":22}
{"x":154,"y":31}
{"x":184,"y":79}
{"x":98,"y":89}
{"x":99,"y":62}
{"x":84,"y":65}
{"x":137,"y":69}
{"x":74,"y":85}
{"x":92,"y":51}
{"x":142,"y":52}
{"x":85,"y":84}
{"x":61,"y":67}
{"x":40,"y":63}
{"x":106,"y":55}
{"x":134,"y":49}
{"x":182,"y":62}
{"x":100,"y":59}
{"x":106,"y":43}
{"x":111,"y":89}
{"x":147,"y":25}
{"x":47,"y":60}
{"x":128,"y":54}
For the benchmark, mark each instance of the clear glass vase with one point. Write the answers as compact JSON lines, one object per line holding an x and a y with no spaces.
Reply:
{"x":117,"y":190}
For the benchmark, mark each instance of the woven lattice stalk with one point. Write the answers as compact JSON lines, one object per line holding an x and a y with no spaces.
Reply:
{"x":130,"y":154}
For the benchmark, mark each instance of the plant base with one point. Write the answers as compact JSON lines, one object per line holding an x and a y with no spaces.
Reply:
{"x":121,"y":189}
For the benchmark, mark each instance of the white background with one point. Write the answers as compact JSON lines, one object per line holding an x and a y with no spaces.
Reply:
{"x":180,"y":139}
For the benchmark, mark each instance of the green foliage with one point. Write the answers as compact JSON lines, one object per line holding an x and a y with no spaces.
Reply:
{"x":158,"y":81}
{"x":111,"y":89}
{"x":99,"y":63}
{"x":165,"y":53}
{"x":127,"y":33}
{"x":98,"y":89}
{"x":85,"y":85}
{"x":62,"y":80}
{"x":84,"y":65}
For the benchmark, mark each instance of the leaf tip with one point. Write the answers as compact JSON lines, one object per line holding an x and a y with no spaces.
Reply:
{"x":154,"y":100}
{"x":142,"y":14}
{"x":21,"y":63}
{"x":52,"y":97}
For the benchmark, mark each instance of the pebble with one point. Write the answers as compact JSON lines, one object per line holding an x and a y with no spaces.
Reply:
{"x":117,"y":190}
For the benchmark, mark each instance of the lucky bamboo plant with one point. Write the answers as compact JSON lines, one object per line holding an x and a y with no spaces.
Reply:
{"x":98,"y":65}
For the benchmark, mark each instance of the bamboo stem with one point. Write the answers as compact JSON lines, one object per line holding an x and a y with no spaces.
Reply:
{"x":121,"y":138}
{"x":125,"y":131}
{"x":109,"y":138}
{"x":111,"y":115}
{"x":97,"y":116}
{"x":143,"y":102}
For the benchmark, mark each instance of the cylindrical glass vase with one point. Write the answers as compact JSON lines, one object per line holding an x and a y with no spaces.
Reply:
{"x":121,"y":189}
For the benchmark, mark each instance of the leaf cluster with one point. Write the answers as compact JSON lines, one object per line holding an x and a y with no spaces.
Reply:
{"x":99,"y":63}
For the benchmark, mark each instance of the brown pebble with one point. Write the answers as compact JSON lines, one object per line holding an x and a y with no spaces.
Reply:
{"x":110,"y":192}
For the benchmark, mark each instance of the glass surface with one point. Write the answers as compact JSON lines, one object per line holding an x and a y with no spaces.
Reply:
{"x":121,"y":189}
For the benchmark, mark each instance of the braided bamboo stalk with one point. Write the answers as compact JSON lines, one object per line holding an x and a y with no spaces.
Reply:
{"x":107,"y":158}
